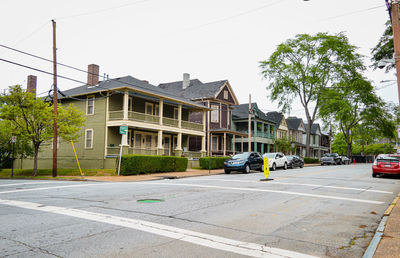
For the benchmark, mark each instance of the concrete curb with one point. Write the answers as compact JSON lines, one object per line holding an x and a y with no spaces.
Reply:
{"x":373,"y":245}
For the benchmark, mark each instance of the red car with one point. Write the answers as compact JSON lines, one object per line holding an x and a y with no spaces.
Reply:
{"x":386,"y":164}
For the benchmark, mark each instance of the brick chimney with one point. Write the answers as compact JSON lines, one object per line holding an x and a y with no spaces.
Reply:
{"x":186,"y":80}
{"x":31,"y":84}
{"x":93,"y":75}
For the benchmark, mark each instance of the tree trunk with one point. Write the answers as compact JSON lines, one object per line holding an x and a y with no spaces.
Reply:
{"x":35,"y":158}
{"x":349,"y":150}
{"x":308,"y":132}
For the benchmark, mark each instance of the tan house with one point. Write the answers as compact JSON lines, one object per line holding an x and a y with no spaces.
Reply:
{"x":282,"y":130}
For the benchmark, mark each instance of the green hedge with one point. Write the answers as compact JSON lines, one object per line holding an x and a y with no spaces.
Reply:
{"x":310,"y":160}
{"x":143,"y":164}
{"x":216,"y":162}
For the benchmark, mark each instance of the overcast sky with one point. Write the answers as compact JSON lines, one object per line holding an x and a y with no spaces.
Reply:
{"x":159,"y":40}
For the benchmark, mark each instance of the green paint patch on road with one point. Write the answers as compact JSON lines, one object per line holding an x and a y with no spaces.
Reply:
{"x":150,"y":200}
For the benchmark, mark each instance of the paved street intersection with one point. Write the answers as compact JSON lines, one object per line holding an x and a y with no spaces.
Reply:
{"x":330,"y":211}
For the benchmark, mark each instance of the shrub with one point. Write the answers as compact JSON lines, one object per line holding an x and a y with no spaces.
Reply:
{"x":310,"y":160}
{"x":216,"y":162}
{"x":143,"y":164}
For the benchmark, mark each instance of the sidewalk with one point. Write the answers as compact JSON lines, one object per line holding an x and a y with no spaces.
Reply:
{"x":389,"y":245}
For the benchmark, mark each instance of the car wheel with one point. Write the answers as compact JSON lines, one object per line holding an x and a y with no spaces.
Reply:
{"x":247,"y":169}
{"x":273,"y":167}
{"x":373,"y":175}
{"x":227,"y":171}
{"x":302,"y":165}
{"x":285,"y":166}
{"x":262,"y":168}
{"x":292,"y":166}
{"x":322,"y":164}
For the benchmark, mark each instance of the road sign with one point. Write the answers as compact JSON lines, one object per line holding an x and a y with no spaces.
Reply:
{"x":13,"y":139}
{"x":266,"y":167}
{"x":123,"y":130}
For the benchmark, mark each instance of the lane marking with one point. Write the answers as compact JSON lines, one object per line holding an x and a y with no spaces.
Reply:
{"x":32,"y":183}
{"x":52,"y":187}
{"x":283,"y":183}
{"x":270,"y":191}
{"x":198,"y":238}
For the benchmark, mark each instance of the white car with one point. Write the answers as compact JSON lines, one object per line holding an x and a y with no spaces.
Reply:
{"x":276,"y":160}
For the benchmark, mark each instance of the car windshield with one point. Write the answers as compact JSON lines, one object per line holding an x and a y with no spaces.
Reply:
{"x":387,"y":159}
{"x":329,"y":155}
{"x":269,"y":155}
{"x":244,"y":155}
{"x":289,"y":157}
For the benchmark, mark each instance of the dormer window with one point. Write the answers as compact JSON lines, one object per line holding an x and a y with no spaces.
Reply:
{"x":225,"y":94}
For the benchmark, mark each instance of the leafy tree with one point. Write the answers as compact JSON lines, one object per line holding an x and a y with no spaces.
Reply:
{"x":32,"y":119}
{"x":339,"y":144}
{"x":384,"y":49}
{"x":283,"y":144}
{"x":306,"y":65}
{"x":350,"y":102}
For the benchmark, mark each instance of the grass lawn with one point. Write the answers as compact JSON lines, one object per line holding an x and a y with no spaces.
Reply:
{"x":45,"y":173}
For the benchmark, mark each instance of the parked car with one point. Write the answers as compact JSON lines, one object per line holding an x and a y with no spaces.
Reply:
{"x":295,"y":161}
{"x":276,"y":160}
{"x":345,"y":160}
{"x":331,"y":159}
{"x":386,"y":164}
{"x":245,"y":162}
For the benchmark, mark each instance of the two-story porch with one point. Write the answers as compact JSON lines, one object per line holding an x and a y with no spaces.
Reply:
{"x":156,"y":125}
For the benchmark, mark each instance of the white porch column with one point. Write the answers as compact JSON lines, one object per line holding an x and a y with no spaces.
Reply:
{"x":179,"y":142}
{"x":179,"y":116}
{"x":161,"y":110}
{"x":160,"y":150}
{"x":125,"y":104}
{"x":224,"y":144}
{"x":203,"y":144}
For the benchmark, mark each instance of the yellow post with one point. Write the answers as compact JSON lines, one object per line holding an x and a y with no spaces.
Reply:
{"x":77,"y":161}
{"x":266,"y":167}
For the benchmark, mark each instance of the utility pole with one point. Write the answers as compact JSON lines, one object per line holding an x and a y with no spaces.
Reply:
{"x":54,"y":100}
{"x":396,"y":40}
{"x":250,"y":112}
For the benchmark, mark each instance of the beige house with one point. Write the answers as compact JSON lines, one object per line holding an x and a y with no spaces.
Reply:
{"x":280,"y":123}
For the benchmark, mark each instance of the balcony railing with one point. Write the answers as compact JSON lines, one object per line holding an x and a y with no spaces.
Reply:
{"x":259,"y":134}
{"x":192,"y":126}
{"x":142,"y":117}
{"x":140,"y":151}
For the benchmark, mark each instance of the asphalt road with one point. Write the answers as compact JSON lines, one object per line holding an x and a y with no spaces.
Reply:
{"x":330,"y":211}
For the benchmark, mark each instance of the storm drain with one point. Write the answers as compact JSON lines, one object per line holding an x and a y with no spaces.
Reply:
{"x":150,"y":200}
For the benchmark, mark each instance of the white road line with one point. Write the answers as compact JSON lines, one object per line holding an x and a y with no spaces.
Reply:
{"x":52,"y":187}
{"x":270,"y":191}
{"x":207,"y":240}
{"x":32,"y":183}
{"x":312,"y":185}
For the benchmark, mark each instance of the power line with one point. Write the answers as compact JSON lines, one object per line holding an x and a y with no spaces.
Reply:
{"x":102,"y":10}
{"x":350,"y":13}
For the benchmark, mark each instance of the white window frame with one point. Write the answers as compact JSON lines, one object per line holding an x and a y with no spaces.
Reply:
{"x":226,"y":94}
{"x":87,"y":105}
{"x":152,"y":108}
{"x":214,"y":113}
{"x":86,"y":138}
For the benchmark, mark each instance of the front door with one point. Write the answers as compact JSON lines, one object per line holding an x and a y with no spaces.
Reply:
{"x":167,"y":145}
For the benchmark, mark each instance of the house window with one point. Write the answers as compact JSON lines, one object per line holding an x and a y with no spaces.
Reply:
{"x":215,"y":142}
{"x":89,"y":138}
{"x":138,"y":140}
{"x":149,"y":108}
{"x":175,"y":113}
{"x":214,"y":113}
{"x":90,"y":105}
{"x":130,"y":103}
{"x":225,"y":94}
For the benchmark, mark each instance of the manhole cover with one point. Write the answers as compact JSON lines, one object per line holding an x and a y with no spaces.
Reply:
{"x":150,"y":200}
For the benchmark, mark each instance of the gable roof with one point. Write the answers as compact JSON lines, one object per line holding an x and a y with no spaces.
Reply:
{"x":276,"y":117}
{"x":197,"y":89}
{"x":293,"y":122}
{"x":242,"y":112}
{"x":314,"y":128}
{"x":125,"y":82}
